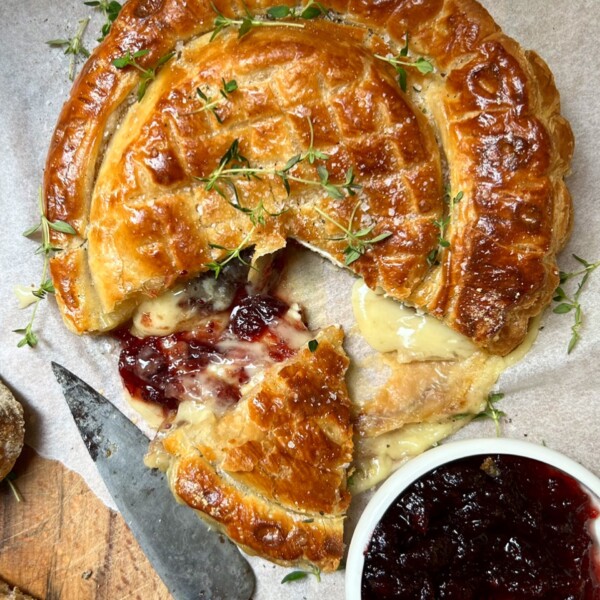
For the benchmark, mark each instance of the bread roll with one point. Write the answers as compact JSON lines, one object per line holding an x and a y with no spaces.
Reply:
{"x":12,"y":431}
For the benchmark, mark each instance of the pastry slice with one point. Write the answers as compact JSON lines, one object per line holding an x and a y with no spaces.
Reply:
{"x":272,"y":472}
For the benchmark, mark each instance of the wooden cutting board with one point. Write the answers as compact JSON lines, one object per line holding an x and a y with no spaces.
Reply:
{"x":61,"y":542}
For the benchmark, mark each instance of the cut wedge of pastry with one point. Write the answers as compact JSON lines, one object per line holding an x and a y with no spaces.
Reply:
{"x":271,"y":473}
{"x":255,"y":428}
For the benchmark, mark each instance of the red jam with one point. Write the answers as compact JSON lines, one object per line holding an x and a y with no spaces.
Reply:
{"x":211,"y":362}
{"x":152,"y":367}
{"x":253,"y":314}
{"x":495,"y":528}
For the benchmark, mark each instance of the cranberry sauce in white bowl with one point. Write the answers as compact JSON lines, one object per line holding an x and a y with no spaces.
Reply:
{"x":486,"y":518}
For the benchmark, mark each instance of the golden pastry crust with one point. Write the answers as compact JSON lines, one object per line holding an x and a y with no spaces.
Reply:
{"x":271,"y":473}
{"x":493,"y":107}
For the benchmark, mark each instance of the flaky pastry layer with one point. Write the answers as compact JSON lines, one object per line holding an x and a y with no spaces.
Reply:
{"x":271,"y":473}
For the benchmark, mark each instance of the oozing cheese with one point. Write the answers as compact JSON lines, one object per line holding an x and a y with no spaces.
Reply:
{"x":388,"y":326}
{"x":434,"y":374}
{"x":160,"y":316}
{"x":152,"y":414}
{"x":213,"y":364}
{"x":437,"y":381}
{"x":177,"y":308}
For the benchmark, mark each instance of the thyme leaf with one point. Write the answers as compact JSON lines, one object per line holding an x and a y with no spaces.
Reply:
{"x":280,"y":12}
{"x":233,"y":165}
{"x":568,"y":303}
{"x":295,"y":576}
{"x":358,"y":242}
{"x":442,"y":226}
{"x":313,"y":345}
{"x":298,"y":575}
{"x":73,"y":46}
{"x":311,"y":10}
{"x":249,"y":22}
{"x":147,"y":75}
{"x":46,"y":286}
{"x":401,"y":61}
{"x":110,"y":9}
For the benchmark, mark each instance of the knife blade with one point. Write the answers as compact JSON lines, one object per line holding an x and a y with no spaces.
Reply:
{"x":193,"y":561}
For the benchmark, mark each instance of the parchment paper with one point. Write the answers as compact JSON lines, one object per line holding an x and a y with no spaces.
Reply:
{"x":550,"y":397}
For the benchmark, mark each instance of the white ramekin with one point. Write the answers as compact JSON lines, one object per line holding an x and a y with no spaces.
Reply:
{"x":431,"y":459}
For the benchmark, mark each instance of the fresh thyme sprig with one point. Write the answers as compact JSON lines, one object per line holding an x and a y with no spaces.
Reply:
{"x":211,"y":104}
{"x":110,"y":9}
{"x":489,"y":412}
{"x":297,"y":575}
{"x":233,"y":165}
{"x":73,"y":46}
{"x":232,"y":160}
{"x":357,"y":242}
{"x":312,"y":10}
{"x":46,"y":287}
{"x":401,"y":61}
{"x":257,"y":215}
{"x":230,"y":254}
{"x":312,"y":154}
{"x":442,"y":225}
{"x":433,"y":256}
{"x":147,"y":75}
{"x":571,"y":303}
{"x":247,"y":23}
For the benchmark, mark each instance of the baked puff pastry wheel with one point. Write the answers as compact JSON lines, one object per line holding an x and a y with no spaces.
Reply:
{"x":410,"y":142}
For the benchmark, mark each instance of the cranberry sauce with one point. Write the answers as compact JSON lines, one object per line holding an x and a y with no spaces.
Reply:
{"x":152,"y":368}
{"x":251,"y":317}
{"x":213,"y":360}
{"x":501,"y":527}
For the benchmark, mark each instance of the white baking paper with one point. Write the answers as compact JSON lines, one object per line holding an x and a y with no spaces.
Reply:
{"x":551,"y":397}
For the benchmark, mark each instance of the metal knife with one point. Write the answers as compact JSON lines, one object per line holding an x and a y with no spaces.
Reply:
{"x":193,"y":561}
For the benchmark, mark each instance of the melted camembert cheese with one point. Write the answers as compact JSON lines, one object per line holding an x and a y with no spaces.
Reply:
{"x":175,"y":309}
{"x":217,"y":363}
{"x":390,"y":326}
{"x":438,"y":380}
{"x":436,"y":377}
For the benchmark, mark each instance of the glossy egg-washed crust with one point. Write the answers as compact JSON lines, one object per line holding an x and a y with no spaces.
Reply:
{"x":271,"y":473}
{"x":144,"y":221}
